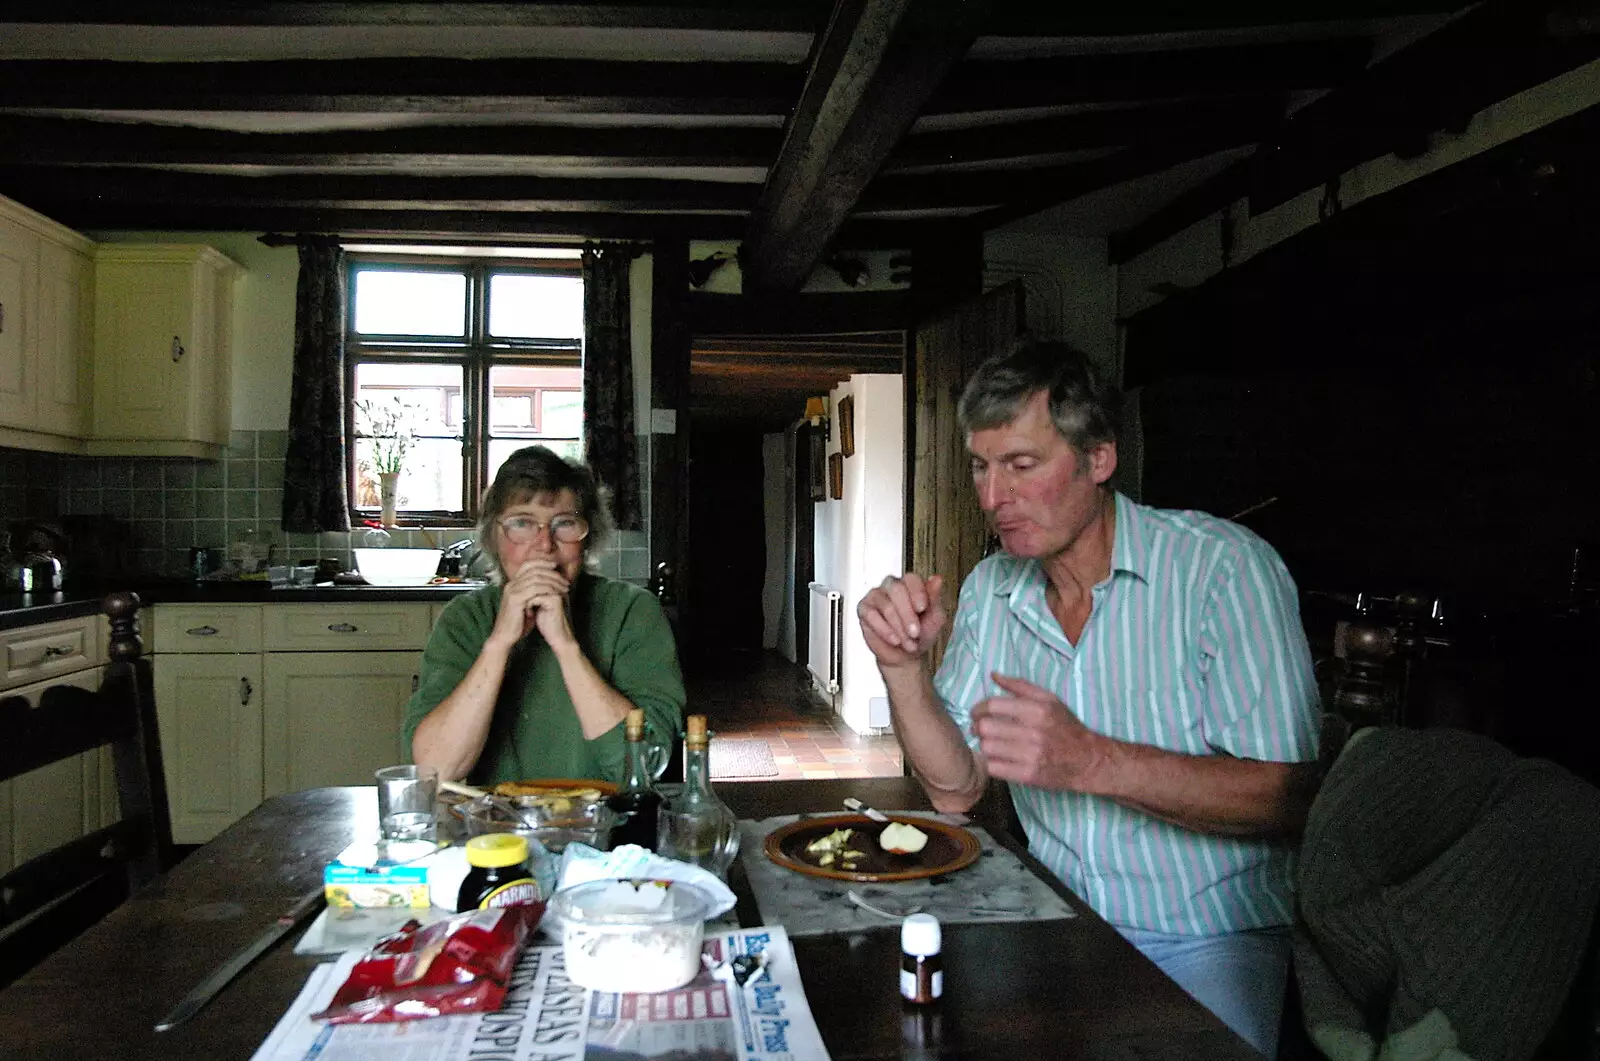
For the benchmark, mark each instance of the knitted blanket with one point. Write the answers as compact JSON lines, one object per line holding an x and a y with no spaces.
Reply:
{"x":1446,"y":893}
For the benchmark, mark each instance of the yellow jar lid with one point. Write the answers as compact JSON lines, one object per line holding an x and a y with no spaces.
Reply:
{"x":494,"y":850}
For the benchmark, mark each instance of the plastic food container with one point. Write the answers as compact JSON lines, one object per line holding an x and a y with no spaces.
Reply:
{"x":632,"y":935}
{"x":554,"y":827}
{"x":398,"y":567}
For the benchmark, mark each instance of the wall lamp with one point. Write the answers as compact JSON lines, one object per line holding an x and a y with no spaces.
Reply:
{"x":816,"y":414}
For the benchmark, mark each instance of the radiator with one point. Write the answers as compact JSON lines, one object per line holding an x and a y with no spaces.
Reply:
{"x":827,"y":630}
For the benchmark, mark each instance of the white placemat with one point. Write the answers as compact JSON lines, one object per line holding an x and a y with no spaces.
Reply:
{"x":998,"y":885}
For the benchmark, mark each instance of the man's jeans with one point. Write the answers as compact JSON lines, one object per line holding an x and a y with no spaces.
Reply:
{"x":1240,"y":977}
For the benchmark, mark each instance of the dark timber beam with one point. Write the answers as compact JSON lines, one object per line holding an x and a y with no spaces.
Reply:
{"x":408,"y":86}
{"x":338,"y":191}
{"x":1118,"y":127}
{"x":872,"y":70}
{"x":71,"y":141}
{"x":994,"y":84}
{"x":767,"y":15}
{"x":1492,"y":52}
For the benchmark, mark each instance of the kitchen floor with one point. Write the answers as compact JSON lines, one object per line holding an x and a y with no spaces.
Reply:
{"x":768,"y":699}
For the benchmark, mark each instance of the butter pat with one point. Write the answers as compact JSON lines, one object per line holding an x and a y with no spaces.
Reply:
{"x":380,"y":875}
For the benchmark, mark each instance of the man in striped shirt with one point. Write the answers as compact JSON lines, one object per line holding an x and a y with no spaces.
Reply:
{"x":1140,"y":678}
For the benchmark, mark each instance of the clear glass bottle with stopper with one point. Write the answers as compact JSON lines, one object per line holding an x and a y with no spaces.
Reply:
{"x":695,"y":826}
{"x":637,"y":802}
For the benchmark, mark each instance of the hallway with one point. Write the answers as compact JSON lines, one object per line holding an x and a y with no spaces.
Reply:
{"x":767,"y":699}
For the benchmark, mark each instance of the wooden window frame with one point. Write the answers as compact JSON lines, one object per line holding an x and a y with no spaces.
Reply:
{"x":476,"y":353}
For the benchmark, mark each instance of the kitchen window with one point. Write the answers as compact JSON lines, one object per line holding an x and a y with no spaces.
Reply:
{"x":454,"y":365}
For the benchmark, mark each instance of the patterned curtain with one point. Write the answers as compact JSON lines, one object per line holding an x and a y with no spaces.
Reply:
{"x":608,"y":379}
{"x":314,"y":471}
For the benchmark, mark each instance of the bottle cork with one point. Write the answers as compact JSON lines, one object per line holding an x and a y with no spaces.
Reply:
{"x":697,"y":730}
{"x":635,"y":724}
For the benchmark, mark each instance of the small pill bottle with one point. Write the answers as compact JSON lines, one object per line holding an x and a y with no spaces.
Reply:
{"x":500,"y":875}
{"x":921,"y":967}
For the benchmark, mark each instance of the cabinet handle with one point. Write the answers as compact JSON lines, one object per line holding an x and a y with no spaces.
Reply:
{"x":177,"y":349}
{"x":201,"y":631}
{"x":52,"y":651}
{"x":342,"y":628}
{"x":2,"y":317}
{"x":244,"y":692}
{"x":415,"y":681}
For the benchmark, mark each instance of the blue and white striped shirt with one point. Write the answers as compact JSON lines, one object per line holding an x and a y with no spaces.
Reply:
{"x":1194,"y":645}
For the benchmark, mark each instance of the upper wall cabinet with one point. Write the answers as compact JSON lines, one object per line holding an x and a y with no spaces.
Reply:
{"x":163,"y":316}
{"x":46,"y":283}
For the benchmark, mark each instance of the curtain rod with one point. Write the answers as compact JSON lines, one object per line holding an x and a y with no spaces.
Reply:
{"x":334,"y":239}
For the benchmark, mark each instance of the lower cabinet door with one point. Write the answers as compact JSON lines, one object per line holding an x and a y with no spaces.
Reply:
{"x":58,"y":803}
{"x":332,"y":718}
{"x":209,"y":711}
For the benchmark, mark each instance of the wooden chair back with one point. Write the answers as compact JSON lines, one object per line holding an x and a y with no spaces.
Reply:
{"x":52,"y":897}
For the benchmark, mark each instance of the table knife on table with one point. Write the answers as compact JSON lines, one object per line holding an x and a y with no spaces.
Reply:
{"x":223,"y":974}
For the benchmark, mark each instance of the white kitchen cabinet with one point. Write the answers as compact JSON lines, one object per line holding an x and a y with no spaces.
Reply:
{"x":163,"y":317}
{"x":332,"y":718}
{"x":260,"y":699}
{"x":19,"y":304}
{"x":66,"y":331}
{"x":209,"y":709}
{"x":46,"y":281}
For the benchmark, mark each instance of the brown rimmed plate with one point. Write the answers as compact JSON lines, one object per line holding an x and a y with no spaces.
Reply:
{"x":949,"y":848}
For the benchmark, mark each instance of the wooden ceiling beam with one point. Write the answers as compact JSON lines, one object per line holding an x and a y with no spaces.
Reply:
{"x":998,"y":84}
{"x":1027,"y":189}
{"x":409,"y":86}
{"x":336,"y":191}
{"x":1492,"y":52}
{"x":68,"y":141}
{"x":872,"y":70}
{"x":1116,"y":20}
{"x":1119,"y":127}
{"x":763,"y":15}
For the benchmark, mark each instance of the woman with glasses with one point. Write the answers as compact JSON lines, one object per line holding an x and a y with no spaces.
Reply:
{"x":532,"y":675}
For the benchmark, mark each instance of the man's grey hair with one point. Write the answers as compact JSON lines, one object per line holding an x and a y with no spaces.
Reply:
{"x":535,"y":470}
{"x":1083,"y":406}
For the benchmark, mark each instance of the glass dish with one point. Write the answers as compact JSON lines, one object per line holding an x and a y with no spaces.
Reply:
{"x":553,"y":825}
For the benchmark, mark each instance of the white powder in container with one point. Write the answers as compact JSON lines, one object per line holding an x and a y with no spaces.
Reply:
{"x":632,"y":935}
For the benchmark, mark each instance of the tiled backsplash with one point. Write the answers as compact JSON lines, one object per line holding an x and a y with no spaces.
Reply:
{"x":174,"y":504}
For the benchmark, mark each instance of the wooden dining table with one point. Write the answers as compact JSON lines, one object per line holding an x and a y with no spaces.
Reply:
{"x":1065,"y":988}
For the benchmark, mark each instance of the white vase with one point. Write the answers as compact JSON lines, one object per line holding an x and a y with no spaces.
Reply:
{"x":388,"y":483}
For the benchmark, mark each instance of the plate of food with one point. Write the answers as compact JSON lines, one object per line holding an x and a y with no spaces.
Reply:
{"x":854,"y":847}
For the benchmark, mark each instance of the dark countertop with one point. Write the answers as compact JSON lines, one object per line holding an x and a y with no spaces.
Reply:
{"x":28,"y":609}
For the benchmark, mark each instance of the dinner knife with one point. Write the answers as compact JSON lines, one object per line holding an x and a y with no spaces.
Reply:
{"x":220,"y":977}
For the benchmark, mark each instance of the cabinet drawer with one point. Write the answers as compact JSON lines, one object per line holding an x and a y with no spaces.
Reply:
{"x":346,"y":627}
{"x":209,"y":627}
{"x":34,"y":653}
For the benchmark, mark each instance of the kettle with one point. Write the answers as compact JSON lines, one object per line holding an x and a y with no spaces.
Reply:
{"x":33,"y":573}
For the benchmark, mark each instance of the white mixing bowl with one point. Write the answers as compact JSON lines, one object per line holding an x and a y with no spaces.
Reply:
{"x":398,"y":567}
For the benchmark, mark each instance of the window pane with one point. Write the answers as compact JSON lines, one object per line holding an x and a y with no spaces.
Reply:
{"x":430,"y":479}
{"x":393,"y":302}
{"x":501,"y":448}
{"x":426,"y":399}
{"x":409,"y":416}
{"x":524,"y":306}
{"x":561,"y":413}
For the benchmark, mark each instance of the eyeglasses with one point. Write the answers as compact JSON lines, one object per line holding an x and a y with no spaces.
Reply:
{"x":522,"y":530}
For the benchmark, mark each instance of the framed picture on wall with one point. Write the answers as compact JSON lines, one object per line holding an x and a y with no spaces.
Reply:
{"x":836,"y":476}
{"x":847,"y":425}
{"x":816,"y":462}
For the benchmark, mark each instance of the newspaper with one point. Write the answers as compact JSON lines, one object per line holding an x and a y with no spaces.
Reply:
{"x":548,"y":1018}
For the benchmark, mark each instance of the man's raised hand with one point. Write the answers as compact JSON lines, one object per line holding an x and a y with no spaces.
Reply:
{"x":902,"y":618}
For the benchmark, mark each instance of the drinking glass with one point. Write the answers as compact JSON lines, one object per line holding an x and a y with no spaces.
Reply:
{"x":406,"y":797}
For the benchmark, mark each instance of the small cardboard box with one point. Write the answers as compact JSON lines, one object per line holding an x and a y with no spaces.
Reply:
{"x":363,"y":875}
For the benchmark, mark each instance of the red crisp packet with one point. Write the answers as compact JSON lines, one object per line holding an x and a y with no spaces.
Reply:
{"x":459,"y":965}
